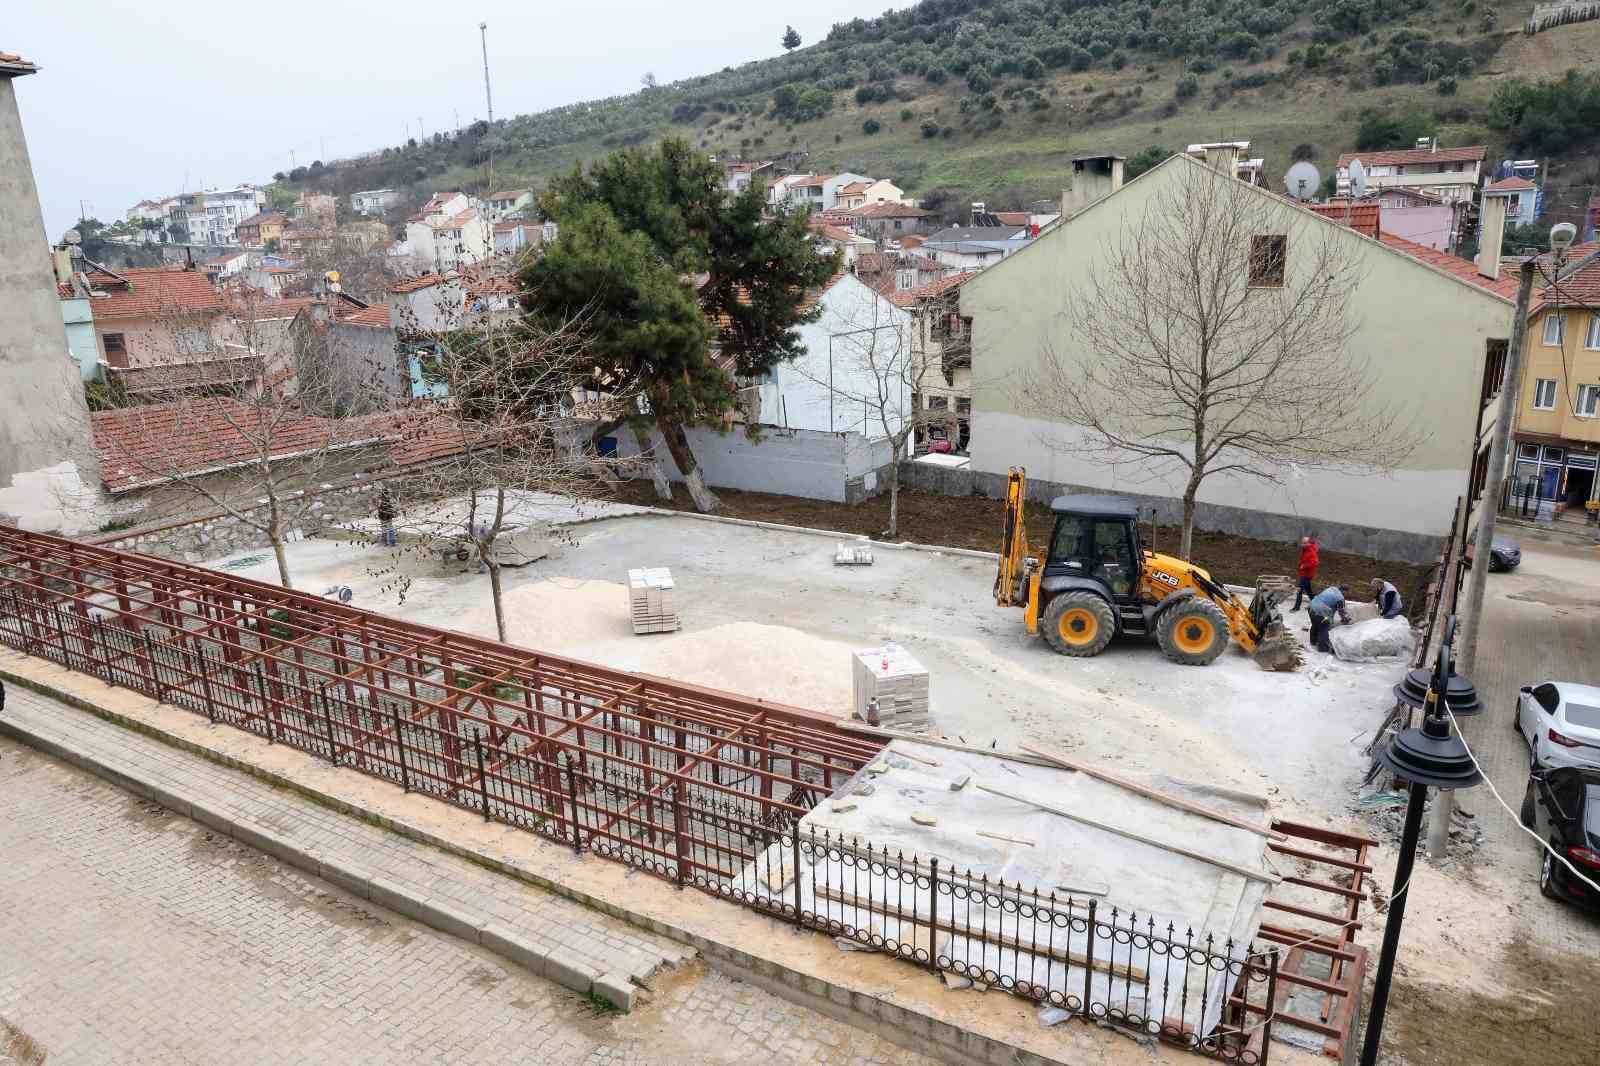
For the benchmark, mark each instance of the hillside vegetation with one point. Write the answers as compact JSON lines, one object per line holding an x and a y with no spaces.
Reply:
{"x":956,"y":99}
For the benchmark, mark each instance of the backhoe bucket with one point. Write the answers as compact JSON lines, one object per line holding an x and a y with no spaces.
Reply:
{"x":1277,"y":648}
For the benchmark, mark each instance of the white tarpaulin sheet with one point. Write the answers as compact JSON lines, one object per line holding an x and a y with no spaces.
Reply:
{"x":1149,"y":886}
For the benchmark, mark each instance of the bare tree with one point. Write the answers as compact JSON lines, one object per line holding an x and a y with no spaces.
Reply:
{"x":1213,"y":338}
{"x":871,"y":368}
{"x":507,"y":434}
{"x":224,"y":422}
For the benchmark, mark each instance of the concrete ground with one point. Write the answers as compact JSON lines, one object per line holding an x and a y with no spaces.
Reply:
{"x":766,"y":613}
{"x":133,"y":935}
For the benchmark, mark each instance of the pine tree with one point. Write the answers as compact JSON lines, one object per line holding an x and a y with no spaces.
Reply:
{"x":633,"y":230}
{"x":791,"y":39}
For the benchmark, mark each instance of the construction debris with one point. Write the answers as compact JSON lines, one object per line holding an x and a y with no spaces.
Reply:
{"x":1375,"y":640}
{"x":921,"y":817}
{"x":852,"y":555}
{"x":842,"y":806}
{"x":960,"y":783}
{"x":897,"y":682}
{"x":652,"y":604}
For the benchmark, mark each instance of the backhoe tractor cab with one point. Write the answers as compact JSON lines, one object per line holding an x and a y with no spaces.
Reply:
{"x":1093,"y":580}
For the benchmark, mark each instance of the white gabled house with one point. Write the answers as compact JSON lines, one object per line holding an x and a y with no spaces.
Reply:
{"x":855,"y":349}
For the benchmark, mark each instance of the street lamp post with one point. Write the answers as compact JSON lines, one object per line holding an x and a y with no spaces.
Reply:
{"x":1428,"y":756}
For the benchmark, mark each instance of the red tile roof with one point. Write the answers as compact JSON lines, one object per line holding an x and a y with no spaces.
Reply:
{"x":814,"y":179}
{"x":1465,"y":269}
{"x":15,"y":64}
{"x":1511,"y":185}
{"x":426,"y":281}
{"x":885,"y":210}
{"x":1415,"y":155}
{"x":855,"y":187}
{"x":1013,"y":218}
{"x":1581,"y":288}
{"x":154,"y":443}
{"x":911,"y":241}
{"x":375,"y":315}
{"x":908,"y":297}
{"x":1362,"y":217}
{"x":836,"y":233}
{"x":152,"y":291}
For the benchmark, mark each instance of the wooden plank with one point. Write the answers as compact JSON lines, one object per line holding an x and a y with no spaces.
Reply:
{"x":915,"y":918}
{"x":1155,"y":794}
{"x":1332,"y":837}
{"x":1312,"y":856}
{"x":1198,"y":856}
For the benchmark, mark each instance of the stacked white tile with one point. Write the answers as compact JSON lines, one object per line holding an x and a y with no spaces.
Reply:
{"x":652,"y":605}
{"x":898,"y":682}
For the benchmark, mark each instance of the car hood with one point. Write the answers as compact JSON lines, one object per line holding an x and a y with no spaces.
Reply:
{"x":1501,"y":544}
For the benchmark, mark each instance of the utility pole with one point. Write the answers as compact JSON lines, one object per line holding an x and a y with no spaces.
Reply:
{"x":488,"y":96}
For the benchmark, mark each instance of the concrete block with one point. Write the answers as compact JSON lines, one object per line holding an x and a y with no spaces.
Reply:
{"x":453,"y":920}
{"x":270,"y":843}
{"x":814,"y":986}
{"x":615,"y":990}
{"x":213,"y":819}
{"x":398,"y":898}
{"x":566,"y":971}
{"x":353,"y":879}
{"x":172,"y":801}
{"x":839,"y":995}
{"x":509,"y":944}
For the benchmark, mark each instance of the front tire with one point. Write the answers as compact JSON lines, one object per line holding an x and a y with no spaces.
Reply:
{"x":1079,"y":624}
{"x":1193,"y":632}
{"x":1527,"y":816}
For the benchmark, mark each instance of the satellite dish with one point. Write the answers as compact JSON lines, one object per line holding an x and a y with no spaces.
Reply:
{"x":1302,"y":181}
{"x":1358,"y":179}
{"x":72,"y":236}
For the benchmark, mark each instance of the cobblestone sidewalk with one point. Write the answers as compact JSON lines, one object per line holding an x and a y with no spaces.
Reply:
{"x":135,"y":936}
{"x":580,"y":937}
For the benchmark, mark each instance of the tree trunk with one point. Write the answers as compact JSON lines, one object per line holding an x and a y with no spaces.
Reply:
{"x":678,"y":447}
{"x":495,"y":592}
{"x":658,"y":476}
{"x":283,"y":559}
{"x":894,"y":497}
{"x":1186,"y":542}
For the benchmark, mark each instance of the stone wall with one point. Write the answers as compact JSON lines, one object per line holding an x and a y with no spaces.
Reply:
{"x":1373,"y":541}
{"x":200,"y":539}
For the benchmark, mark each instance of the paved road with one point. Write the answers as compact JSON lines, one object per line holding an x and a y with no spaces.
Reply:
{"x":132,"y":935}
{"x":1541,"y":622}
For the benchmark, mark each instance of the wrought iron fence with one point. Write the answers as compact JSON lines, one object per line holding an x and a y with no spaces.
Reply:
{"x":1214,"y":997}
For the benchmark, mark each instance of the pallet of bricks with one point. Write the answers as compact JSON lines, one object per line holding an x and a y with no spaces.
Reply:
{"x":652,"y":605}
{"x":898,"y":682}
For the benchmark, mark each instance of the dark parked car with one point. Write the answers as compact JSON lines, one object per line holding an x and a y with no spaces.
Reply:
{"x":1563,"y":807}
{"x":1504,"y":554}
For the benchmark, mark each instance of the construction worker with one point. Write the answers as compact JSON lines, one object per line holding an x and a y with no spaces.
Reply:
{"x":1323,"y":606}
{"x":387,"y":512}
{"x":1308,"y":569}
{"x":1387,"y":598}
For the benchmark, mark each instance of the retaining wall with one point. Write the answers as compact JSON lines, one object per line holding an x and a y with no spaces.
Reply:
{"x":839,"y":467}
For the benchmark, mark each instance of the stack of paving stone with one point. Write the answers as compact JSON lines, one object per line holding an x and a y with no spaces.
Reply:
{"x":898,"y":682}
{"x":651,"y":603}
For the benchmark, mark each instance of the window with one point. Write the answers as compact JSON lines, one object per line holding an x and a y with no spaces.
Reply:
{"x":938,"y":403}
{"x":905,"y":279}
{"x":1268,"y":258}
{"x":1544,"y":394}
{"x":1555,"y":330}
{"x":1592,"y":340}
{"x":1588,"y":400}
{"x":116,"y":349}
{"x":1528,"y":451}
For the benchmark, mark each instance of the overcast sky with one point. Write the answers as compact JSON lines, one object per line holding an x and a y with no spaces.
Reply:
{"x":140,"y":100}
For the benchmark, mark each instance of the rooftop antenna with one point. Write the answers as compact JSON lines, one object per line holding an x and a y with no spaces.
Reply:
{"x":488,"y":97}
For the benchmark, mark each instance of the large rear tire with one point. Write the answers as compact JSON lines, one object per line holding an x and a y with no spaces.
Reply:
{"x":1194,"y":632}
{"x":1078,"y":623}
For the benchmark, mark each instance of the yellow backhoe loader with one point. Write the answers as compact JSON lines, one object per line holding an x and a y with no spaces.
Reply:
{"x":1093,"y":581}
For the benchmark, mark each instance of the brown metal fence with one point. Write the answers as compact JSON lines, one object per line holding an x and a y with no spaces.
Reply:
{"x":677,"y":782}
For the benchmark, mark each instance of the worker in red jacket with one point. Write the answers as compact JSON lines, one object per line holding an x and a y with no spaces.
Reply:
{"x":1308,"y":569}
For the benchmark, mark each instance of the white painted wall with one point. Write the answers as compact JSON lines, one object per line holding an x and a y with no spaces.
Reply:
{"x":823,"y":388}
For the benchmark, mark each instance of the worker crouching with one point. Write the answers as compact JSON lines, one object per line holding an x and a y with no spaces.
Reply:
{"x":1324,"y":605}
{"x":1387,"y":598}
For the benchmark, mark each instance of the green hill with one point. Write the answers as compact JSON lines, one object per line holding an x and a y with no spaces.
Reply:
{"x":989,"y":99}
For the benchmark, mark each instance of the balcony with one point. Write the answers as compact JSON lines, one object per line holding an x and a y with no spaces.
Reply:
{"x":230,"y":368}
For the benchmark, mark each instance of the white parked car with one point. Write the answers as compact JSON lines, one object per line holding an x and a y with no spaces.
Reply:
{"x":1561,"y":723}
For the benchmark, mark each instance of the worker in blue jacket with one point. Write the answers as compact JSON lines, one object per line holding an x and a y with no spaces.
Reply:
{"x":1324,"y":605}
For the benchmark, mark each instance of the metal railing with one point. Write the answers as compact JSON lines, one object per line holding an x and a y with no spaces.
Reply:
{"x":660,"y":803}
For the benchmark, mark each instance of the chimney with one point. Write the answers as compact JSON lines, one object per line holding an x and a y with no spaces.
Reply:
{"x":1093,"y":176}
{"x":1221,"y":158}
{"x":1491,"y":232}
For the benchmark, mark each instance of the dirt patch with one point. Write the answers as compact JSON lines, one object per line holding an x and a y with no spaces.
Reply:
{"x":147,"y":813}
{"x":272,"y":879}
{"x":1436,"y":1025}
{"x":974,"y":522}
{"x":17,"y":1047}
